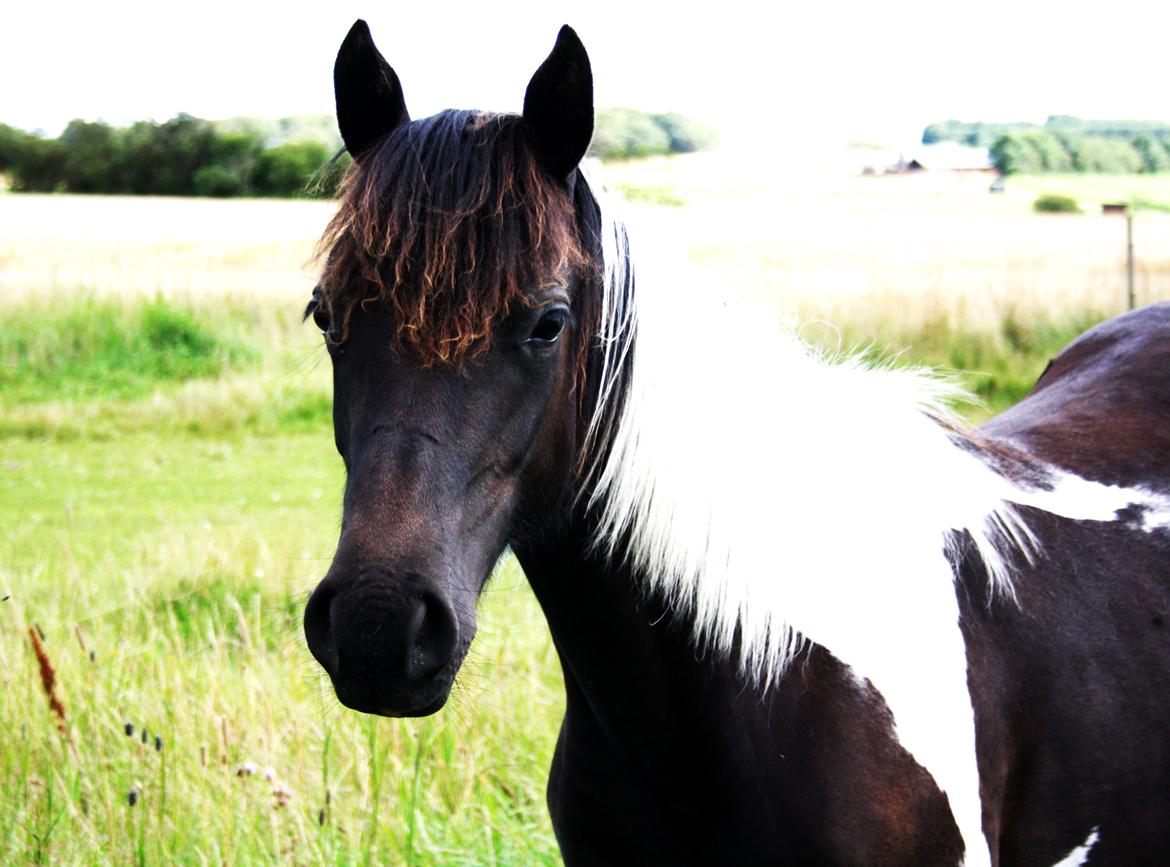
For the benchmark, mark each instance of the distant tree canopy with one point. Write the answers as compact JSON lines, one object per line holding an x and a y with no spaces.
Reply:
{"x":290,"y":157}
{"x":1064,"y":144}
{"x":185,"y":156}
{"x":624,"y":133}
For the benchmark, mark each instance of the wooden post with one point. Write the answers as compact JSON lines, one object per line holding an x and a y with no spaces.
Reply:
{"x":1124,"y":208}
{"x":1129,"y":259}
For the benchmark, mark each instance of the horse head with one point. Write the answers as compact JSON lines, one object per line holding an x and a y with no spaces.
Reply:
{"x":454,"y":310}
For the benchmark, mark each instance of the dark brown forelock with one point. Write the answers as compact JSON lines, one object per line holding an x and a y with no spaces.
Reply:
{"x":451,"y":223}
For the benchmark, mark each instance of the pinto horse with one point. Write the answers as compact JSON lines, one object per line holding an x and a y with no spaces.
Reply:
{"x":803,"y":616}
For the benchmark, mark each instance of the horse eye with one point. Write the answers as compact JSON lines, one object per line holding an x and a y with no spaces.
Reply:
{"x":549,"y":328}
{"x":321,"y":318}
{"x":318,"y":309}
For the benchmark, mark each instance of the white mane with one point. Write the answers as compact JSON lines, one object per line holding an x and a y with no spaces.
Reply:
{"x":761,"y":486}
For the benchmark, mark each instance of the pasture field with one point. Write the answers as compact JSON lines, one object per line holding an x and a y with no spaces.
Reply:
{"x":120,"y":245}
{"x":169,"y":494}
{"x":894,"y":255}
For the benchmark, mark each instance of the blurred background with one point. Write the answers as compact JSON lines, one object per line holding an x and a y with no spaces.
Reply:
{"x":966,"y":186}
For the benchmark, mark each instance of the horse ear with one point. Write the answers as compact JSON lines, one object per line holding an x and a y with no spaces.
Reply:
{"x":558,"y":106}
{"x":369,"y":95}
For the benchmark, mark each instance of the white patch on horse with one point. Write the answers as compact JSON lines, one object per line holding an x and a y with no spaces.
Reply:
{"x":1080,"y":854}
{"x":1074,"y":497}
{"x":766,"y":490}
{"x":1157,"y":518}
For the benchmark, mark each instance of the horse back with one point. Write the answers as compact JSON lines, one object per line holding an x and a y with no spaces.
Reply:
{"x":1101,"y":409}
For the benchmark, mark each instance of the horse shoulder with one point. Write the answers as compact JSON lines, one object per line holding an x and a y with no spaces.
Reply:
{"x":1070,"y":685}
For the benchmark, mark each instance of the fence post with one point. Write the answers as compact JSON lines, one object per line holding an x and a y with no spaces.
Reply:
{"x":1129,"y":259}
{"x":1124,"y":208}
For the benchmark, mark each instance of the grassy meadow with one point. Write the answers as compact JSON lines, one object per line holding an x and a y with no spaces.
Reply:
{"x":169,"y":494}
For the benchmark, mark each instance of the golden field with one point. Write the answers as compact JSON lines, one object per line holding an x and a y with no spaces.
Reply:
{"x":901,"y":251}
{"x":887,"y":250}
{"x":123,"y":245}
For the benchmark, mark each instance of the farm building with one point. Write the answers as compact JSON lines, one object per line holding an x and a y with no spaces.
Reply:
{"x":946,"y":157}
{"x":944,"y":165}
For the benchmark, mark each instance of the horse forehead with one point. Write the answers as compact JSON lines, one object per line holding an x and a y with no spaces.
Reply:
{"x":405,"y":389}
{"x":449,"y":401}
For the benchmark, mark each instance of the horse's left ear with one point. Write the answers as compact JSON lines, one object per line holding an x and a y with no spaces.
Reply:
{"x":369,"y":96}
{"x":558,"y":106}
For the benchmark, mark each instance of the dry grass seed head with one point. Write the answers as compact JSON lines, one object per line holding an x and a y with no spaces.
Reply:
{"x":48,"y":677}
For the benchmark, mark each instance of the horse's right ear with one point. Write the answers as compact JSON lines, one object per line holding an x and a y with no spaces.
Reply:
{"x":369,"y":95}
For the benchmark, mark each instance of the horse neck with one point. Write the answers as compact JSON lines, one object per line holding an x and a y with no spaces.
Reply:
{"x":625,"y":658}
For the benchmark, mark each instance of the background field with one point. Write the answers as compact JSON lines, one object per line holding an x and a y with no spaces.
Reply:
{"x":169,"y":494}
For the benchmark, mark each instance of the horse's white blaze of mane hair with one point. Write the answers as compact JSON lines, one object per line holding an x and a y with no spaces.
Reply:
{"x":763,"y":488}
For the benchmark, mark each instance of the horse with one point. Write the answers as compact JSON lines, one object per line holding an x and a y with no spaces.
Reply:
{"x":803,"y":615}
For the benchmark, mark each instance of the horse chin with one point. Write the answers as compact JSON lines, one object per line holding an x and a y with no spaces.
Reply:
{"x":397,"y":703}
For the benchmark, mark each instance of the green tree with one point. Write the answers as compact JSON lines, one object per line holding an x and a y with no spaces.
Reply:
{"x":162,"y":159}
{"x":685,"y":134}
{"x":1012,"y":155}
{"x":92,"y":158}
{"x":1106,"y":155}
{"x":219,"y":181}
{"x":34,"y":164}
{"x":233,"y":156}
{"x":13,"y":143}
{"x":1052,"y":154}
{"x":1154,"y":155}
{"x":287,"y":170}
{"x":621,"y":133}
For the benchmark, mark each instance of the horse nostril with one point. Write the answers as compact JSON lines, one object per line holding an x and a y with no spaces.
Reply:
{"x":319,"y":627}
{"x":436,"y":633}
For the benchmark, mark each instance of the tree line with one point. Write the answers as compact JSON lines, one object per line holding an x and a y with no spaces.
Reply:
{"x":189,"y":156}
{"x":185,"y":156}
{"x":626,"y":133}
{"x":1064,"y":144}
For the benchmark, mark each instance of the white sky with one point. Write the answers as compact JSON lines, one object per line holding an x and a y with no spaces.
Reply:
{"x":764,"y":72}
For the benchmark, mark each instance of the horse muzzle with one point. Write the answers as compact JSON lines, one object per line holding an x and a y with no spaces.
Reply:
{"x":390,"y":642}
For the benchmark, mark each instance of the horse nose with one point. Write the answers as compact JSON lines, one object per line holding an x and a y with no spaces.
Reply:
{"x":382,"y":641}
{"x":434,"y":636}
{"x":319,"y":627}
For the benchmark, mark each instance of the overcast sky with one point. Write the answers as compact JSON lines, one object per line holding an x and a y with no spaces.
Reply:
{"x":762,"y":71}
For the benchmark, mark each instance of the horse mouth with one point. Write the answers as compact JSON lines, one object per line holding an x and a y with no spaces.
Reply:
{"x":368,"y":692}
{"x":425,"y":710}
{"x":365,"y":700}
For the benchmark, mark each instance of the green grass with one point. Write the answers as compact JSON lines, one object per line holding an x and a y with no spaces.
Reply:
{"x":1141,"y":203}
{"x":87,"y":368}
{"x":1151,"y":192}
{"x":182,"y":563}
{"x":111,"y":349}
{"x":162,"y":519}
{"x":997,"y":367}
{"x":662,"y":196}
